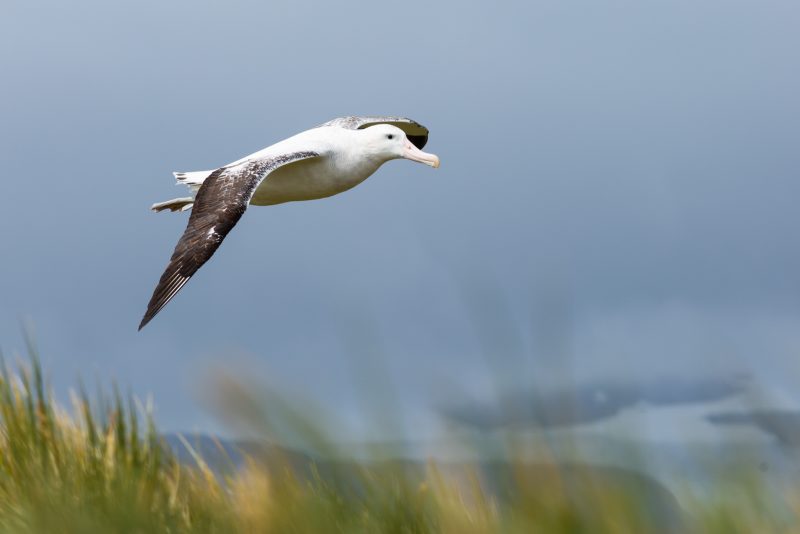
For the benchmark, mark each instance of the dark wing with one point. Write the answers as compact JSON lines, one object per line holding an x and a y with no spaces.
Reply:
{"x":416,"y":133}
{"x":220,"y":203}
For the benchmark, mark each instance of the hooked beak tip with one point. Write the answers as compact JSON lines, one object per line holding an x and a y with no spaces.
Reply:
{"x":415,"y":154}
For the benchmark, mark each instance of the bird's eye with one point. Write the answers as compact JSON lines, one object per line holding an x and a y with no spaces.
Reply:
{"x":389,"y":136}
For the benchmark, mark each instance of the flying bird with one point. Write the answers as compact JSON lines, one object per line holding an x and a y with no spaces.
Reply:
{"x":316,"y":163}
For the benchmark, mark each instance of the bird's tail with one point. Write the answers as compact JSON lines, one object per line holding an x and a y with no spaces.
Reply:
{"x":193,"y":180}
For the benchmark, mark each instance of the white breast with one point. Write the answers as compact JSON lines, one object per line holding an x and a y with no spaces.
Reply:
{"x":339,"y":167}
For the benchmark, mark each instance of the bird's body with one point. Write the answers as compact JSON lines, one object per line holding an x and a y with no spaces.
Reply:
{"x":341,"y":166}
{"x":317,"y":163}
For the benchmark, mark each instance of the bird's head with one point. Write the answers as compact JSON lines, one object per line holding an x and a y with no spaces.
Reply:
{"x":390,"y":142}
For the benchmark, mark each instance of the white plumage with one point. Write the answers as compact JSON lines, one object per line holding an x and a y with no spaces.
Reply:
{"x":317,"y":163}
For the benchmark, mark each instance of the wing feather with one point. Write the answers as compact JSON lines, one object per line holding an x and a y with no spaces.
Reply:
{"x":220,"y":203}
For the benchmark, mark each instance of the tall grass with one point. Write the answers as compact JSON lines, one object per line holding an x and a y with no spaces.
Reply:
{"x":101,"y":466}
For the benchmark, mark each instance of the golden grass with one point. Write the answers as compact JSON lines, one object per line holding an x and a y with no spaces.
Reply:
{"x":102,"y":467}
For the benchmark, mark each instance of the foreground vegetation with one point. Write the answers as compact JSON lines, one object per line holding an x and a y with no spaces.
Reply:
{"x":101,"y":466}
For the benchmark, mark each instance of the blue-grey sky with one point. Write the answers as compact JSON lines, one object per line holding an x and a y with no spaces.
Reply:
{"x":617,"y":197}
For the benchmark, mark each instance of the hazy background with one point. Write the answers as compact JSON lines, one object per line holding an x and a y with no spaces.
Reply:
{"x":616,"y":207}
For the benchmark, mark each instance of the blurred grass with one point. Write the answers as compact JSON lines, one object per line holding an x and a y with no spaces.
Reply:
{"x":101,"y":466}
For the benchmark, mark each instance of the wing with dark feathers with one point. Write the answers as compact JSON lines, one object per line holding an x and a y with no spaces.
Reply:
{"x":220,"y":203}
{"x":416,"y":133}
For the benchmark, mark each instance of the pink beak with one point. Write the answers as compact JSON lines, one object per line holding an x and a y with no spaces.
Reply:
{"x":414,"y":154}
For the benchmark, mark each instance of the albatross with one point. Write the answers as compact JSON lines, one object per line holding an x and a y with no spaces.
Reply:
{"x":317,"y":163}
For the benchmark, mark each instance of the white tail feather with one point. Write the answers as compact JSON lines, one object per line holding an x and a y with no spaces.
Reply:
{"x":193,"y":180}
